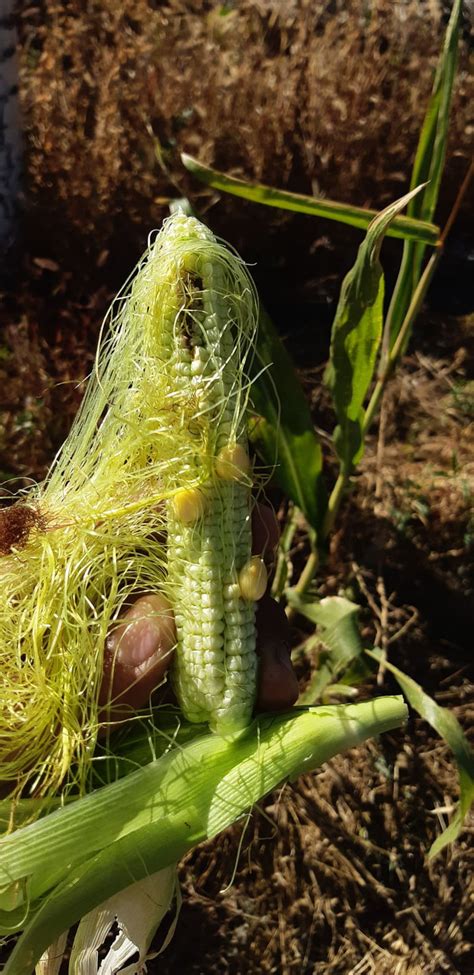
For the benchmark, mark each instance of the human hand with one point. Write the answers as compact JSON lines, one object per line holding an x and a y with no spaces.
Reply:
{"x":139,"y":650}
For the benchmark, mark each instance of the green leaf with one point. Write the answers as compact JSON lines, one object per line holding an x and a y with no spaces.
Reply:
{"x":282,"y":428}
{"x":356,"y":335}
{"x":403,"y":227}
{"x":338,"y":631}
{"x":447,"y":726}
{"x":428,"y":168}
{"x":148,"y":820}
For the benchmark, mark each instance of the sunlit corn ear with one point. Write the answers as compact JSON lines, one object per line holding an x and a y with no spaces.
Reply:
{"x":211,"y":334}
{"x":167,"y":397}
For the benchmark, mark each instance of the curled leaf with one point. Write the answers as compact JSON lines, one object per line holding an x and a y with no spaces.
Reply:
{"x":447,"y":725}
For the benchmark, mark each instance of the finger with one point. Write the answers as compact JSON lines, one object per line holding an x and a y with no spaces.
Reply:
{"x":138,"y":653}
{"x":139,"y":650}
{"x":277,"y":686}
{"x":265,"y":532}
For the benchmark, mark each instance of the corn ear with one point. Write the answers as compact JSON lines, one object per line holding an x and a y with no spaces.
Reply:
{"x":158,"y":448}
{"x":205,"y":339}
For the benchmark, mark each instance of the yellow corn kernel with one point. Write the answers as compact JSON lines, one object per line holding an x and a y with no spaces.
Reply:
{"x":232,"y":462}
{"x":253,"y":579}
{"x":189,"y":505}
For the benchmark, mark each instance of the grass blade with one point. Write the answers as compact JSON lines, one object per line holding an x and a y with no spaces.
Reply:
{"x":428,"y":168}
{"x":356,"y":336}
{"x":282,"y":429}
{"x":195,"y":792}
{"x":447,"y":726}
{"x":406,"y":228}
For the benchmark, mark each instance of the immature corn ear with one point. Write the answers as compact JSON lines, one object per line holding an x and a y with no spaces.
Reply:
{"x":205,"y":342}
{"x":150,"y":493}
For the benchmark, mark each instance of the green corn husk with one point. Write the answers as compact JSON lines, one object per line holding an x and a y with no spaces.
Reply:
{"x":56,"y":870}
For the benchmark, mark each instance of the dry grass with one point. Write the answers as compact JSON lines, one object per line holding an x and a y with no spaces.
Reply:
{"x":46,"y":348}
{"x":289,"y":93}
{"x":281,"y":92}
{"x":422,"y":476}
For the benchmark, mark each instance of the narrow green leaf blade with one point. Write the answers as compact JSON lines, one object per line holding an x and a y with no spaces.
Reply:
{"x":337,"y":621}
{"x":447,"y":726}
{"x":428,"y":167}
{"x":356,"y":336}
{"x":431,"y":149}
{"x":198,"y":796}
{"x":404,"y":227}
{"x":282,"y":429}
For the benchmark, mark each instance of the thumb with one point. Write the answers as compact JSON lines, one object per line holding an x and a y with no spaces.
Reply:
{"x":138,"y":653}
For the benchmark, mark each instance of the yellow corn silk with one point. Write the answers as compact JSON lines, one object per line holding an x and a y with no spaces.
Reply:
{"x":158,"y":449}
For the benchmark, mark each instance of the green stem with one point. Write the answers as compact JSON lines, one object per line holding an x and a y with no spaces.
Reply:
{"x":334,"y":502}
{"x":307,"y":575}
{"x":395,"y":353}
{"x":312,"y":564}
{"x":286,"y":541}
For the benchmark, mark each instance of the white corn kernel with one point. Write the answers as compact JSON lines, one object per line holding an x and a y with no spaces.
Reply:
{"x":243,"y":630}
{"x":231,"y":591}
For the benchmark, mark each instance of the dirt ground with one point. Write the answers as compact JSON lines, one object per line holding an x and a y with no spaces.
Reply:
{"x":330,"y":874}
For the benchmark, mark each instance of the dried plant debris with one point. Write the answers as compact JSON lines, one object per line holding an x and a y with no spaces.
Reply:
{"x":313,"y":96}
